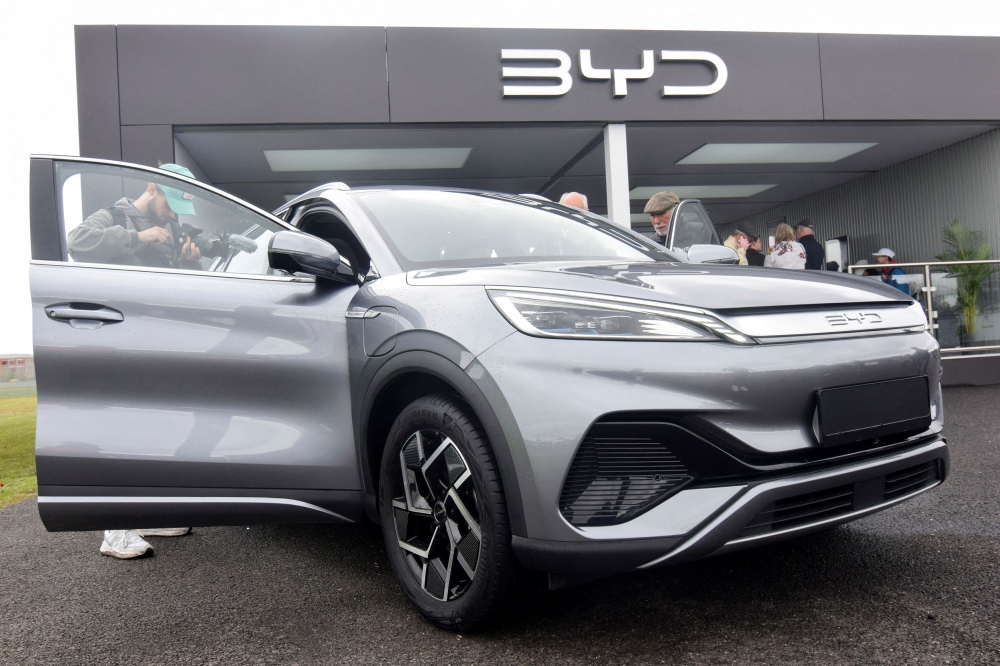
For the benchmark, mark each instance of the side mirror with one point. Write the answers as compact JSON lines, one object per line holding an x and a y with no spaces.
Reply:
{"x":712,"y":254}
{"x":300,"y":253}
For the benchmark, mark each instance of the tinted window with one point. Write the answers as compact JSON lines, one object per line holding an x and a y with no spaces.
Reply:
{"x":693,"y":227}
{"x":427,"y":228}
{"x":119,"y":215}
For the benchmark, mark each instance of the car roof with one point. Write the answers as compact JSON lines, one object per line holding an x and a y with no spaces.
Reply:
{"x":341,"y":187}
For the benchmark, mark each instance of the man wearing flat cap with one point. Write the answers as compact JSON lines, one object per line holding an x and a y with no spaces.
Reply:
{"x":660,"y":208}
{"x":739,"y":242}
{"x":815,"y":254}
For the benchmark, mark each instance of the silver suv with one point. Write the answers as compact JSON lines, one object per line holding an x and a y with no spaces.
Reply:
{"x":506,"y":385}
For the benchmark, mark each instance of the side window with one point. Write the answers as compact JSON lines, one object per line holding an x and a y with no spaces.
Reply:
{"x":119,"y":215}
{"x":693,"y":227}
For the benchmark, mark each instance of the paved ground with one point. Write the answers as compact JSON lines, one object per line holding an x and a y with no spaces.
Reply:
{"x":917,"y":584}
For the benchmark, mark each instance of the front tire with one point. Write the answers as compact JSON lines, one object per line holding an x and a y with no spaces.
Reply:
{"x":444,"y":516}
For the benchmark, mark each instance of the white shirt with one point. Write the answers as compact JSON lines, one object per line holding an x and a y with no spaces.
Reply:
{"x":789,"y":254}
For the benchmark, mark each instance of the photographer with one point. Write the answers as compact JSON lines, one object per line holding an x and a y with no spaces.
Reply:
{"x":143,"y":232}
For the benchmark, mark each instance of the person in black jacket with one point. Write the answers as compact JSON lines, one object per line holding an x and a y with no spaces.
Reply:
{"x":755,"y":253}
{"x":815,"y":254}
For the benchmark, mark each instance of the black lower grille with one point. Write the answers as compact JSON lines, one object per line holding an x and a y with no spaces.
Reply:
{"x":909,"y":480}
{"x":801,"y":510}
{"x":816,"y":507}
{"x":611,"y":480}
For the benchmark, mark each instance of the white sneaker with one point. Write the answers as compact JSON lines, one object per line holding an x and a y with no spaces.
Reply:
{"x":164,"y":531}
{"x":124,"y":544}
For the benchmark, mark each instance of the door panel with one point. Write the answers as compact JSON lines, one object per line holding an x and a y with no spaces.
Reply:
{"x":178,"y":387}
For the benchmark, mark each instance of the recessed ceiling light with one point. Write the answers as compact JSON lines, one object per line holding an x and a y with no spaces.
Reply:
{"x":773,"y":153}
{"x":700,"y":191}
{"x":366,"y":159}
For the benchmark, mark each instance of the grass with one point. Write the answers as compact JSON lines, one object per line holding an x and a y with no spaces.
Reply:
{"x":17,"y":447}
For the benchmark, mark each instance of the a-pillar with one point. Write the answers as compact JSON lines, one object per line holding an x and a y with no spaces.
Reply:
{"x":616,"y":174}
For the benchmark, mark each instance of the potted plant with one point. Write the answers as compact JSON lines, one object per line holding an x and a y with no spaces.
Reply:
{"x":963,"y":244}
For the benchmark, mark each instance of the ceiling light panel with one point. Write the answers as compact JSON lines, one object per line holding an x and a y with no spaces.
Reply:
{"x":701,"y":191}
{"x":367,"y":159}
{"x":773,"y":153}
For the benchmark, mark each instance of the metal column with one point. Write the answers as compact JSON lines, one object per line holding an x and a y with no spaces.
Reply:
{"x":616,"y":175}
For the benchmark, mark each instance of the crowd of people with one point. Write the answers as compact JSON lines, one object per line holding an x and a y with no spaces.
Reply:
{"x":794,"y":248}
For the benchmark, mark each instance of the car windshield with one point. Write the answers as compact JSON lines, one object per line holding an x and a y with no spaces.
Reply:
{"x":434,"y":228}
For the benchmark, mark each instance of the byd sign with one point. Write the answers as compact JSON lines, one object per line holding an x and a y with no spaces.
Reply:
{"x":620,"y":77}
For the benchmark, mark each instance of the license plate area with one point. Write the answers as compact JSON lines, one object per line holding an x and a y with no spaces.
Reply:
{"x":865,"y":411}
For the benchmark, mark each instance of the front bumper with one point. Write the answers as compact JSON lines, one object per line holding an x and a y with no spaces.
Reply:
{"x":748,"y":514}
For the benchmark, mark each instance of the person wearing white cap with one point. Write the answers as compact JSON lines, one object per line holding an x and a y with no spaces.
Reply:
{"x":891,"y":276}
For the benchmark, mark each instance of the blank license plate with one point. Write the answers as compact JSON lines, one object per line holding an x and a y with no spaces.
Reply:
{"x":854,"y":413}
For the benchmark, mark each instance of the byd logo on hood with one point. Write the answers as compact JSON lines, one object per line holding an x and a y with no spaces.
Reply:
{"x":620,"y":77}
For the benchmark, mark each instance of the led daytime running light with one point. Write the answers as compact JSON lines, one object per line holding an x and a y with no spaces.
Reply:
{"x":651,"y":329}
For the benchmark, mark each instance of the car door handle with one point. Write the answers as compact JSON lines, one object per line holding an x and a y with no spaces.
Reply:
{"x":69,"y":312}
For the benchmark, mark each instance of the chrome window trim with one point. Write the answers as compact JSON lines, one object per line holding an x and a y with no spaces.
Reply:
{"x":170,"y":175}
{"x":763,"y":488}
{"x":175,"y":271}
{"x":114,"y":499}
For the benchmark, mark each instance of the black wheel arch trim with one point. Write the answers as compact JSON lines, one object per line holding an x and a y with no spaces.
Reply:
{"x":434,"y":364}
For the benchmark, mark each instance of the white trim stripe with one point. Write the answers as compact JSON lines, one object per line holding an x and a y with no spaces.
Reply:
{"x":106,"y":499}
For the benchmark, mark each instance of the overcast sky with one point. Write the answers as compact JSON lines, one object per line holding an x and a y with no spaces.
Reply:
{"x":38,"y":82}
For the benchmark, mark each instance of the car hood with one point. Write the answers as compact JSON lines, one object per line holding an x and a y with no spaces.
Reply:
{"x":710,"y":287}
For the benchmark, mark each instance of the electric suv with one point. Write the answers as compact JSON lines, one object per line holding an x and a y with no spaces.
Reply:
{"x":504,"y":384}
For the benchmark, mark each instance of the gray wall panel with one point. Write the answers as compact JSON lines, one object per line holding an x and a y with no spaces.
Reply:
{"x":245,"y":74}
{"x":454,"y":74}
{"x":147,"y":144}
{"x":905,"y":206}
{"x":97,"y":91}
{"x":899,"y":77}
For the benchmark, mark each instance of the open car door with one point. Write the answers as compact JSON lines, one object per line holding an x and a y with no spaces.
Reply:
{"x":693,"y":236}
{"x":180,"y":387}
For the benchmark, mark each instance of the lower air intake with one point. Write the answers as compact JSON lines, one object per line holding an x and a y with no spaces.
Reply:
{"x":812,"y":508}
{"x":611,"y":480}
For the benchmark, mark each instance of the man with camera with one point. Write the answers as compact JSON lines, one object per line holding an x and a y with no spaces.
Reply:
{"x":143,"y":232}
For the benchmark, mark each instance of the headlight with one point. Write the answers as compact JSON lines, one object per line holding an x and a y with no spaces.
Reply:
{"x":552,"y":314}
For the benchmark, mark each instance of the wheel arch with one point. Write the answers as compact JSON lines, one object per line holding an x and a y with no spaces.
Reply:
{"x":401,"y":380}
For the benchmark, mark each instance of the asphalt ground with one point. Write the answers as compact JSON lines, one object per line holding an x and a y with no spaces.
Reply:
{"x":919,"y":583}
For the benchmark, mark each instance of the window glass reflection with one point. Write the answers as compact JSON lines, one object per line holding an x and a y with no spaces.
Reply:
{"x":123,"y":216}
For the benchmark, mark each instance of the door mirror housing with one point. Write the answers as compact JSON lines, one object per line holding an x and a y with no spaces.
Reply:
{"x":300,"y":253}
{"x":712,"y":254}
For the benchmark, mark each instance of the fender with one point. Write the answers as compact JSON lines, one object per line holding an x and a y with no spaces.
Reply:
{"x":448,"y":371}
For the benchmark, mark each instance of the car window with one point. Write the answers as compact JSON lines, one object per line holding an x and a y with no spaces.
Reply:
{"x":428,"y":228}
{"x":124,"y":216}
{"x":693,"y":227}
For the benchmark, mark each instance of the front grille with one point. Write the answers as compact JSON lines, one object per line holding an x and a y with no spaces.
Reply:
{"x":816,"y":507}
{"x":612,"y":480}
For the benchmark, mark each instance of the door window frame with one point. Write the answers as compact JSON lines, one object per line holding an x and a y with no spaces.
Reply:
{"x":55,"y":160}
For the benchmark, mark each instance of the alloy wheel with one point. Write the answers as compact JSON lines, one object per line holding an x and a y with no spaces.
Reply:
{"x":436,"y":512}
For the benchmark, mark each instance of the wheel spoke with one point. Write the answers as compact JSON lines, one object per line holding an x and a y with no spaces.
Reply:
{"x":460,"y":505}
{"x":469,"y":571}
{"x":420,"y":446}
{"x":447,"y":575}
